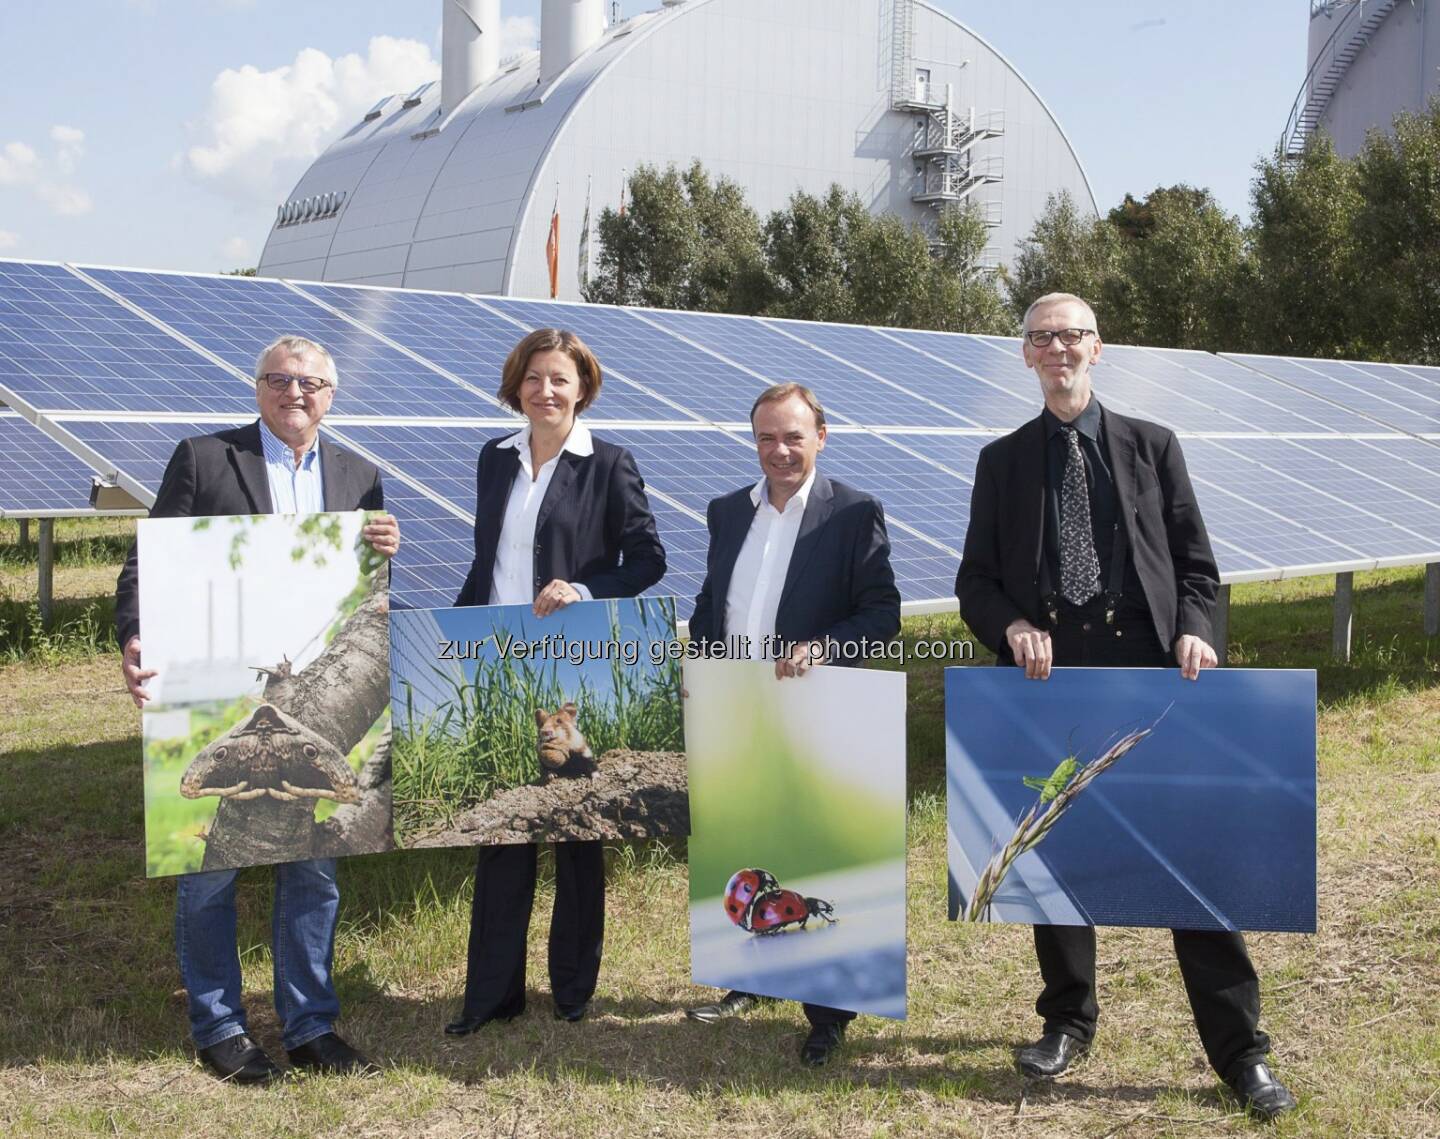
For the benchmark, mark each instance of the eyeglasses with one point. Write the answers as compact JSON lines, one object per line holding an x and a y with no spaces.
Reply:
{"x":280,"y":381}
{"x":1069,"y":337}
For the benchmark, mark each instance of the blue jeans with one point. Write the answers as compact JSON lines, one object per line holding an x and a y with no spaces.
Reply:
{"x":307,"y":903}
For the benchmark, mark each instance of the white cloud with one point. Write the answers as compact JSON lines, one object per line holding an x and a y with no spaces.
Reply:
{"x":517,"y":35}
{"x":8,"y":240}
{"x":237,"y":249}
{"x":48,"y":178}
{"x":19,"y":164}
{"x":69,"y":146}
{"x":263,"y":127}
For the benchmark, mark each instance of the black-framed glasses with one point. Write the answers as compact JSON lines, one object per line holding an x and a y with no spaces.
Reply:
{"x":280,"y":381}
{"x":1069,"y":337}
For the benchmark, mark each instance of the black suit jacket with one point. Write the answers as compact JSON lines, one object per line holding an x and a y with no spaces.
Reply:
{"x":839,"y":584}
{"x":999,"y":579}
{"x":594,"y":526}
{"x":224,"y":474}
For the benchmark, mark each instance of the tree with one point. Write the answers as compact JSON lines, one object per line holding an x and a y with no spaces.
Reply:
{"x":831,"y":259}
{"x":1067,"y":251}
{"x":1181,"y":266}
{"x":1397,"y":239}
{"x":684,"y":242}
{"x":1304,"y":300}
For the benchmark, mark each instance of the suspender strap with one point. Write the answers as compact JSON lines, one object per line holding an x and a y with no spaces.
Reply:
{"x":1119,"y":551}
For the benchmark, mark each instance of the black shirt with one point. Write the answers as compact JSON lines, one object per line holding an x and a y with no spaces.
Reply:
{"x":1104,"y":503}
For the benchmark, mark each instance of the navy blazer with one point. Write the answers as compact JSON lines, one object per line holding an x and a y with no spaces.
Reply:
{"x":223,"y":474}
{"x":594,"y":527}
{"x":839,"y":584}
{"x":999,"y":578}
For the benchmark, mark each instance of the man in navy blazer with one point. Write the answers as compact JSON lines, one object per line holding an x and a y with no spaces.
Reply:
{"x":803,"y":559}
{"x":1086,"y":547}
{"x":279,"y":464}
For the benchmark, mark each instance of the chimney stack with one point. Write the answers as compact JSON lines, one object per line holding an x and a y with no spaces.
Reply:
{"x":469,"y":48}
{"x":568,"y":29}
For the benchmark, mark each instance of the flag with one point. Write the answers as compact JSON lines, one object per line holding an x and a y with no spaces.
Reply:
{"x":585,"y":240}
{"x":552,"y":247}
{"x":622,"y":193}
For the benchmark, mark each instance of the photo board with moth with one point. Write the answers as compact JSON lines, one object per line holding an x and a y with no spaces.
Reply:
{"x":267,"y":736}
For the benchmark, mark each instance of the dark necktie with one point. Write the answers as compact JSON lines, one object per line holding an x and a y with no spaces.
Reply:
{"x":1079,"y":567}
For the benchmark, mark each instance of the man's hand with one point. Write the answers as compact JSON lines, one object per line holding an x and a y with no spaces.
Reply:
{"x":383,"y":534}
{"x":1031,"y":648}
{"x":135,"y":676}
{"x":802,"y":657}
{"x":554,"y":597}
{"x":1193,"y":654}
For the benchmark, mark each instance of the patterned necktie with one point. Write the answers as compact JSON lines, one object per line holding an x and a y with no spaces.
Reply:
{"x":1079,"y":567}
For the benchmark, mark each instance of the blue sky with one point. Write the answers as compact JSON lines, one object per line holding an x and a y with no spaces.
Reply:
{"x":162,"y":133}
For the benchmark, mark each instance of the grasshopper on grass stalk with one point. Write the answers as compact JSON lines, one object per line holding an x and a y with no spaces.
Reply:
{"x":1056,"y":795}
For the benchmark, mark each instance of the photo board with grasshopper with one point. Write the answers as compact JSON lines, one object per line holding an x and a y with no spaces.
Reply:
{"x":1133,"y":797}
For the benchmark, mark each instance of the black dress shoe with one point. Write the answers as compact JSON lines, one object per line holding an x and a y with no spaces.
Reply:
{"x":1050,"y":1055}
{"x":1260,"y":1093}
{"x":468,"y":1024}
{"x":240,"y":1060}
{"x":571,"y":1013}
{"x":331,"y":1055}
{"x":731,"y":1004}
{"x":818,"y":1046}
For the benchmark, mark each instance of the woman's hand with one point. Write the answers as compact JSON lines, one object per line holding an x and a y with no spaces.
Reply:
{"x":555,"y":596}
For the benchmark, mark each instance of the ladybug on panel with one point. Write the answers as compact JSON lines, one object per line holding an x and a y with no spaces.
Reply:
{"x":754,"y":902}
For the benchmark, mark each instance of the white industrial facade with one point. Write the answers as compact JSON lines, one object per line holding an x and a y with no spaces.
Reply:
{"x":777,"y":95}
{"x":1366,"y":62}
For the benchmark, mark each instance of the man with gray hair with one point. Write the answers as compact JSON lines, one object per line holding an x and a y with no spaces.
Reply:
{"x":1086,"y":547}
{"x":277,"y":465}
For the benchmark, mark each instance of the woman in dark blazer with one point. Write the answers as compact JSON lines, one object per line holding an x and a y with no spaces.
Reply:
{"x":560,"y":516}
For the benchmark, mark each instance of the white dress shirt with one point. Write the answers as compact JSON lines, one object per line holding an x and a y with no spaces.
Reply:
{"x":513,"y":580}
{"x":760,"y":568}
{"x":293,"y":490}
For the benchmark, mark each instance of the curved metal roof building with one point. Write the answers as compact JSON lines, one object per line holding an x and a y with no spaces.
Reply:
{"x":453,"y":185}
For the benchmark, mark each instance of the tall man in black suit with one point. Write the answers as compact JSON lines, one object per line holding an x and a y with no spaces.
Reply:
{"x":280,"y":465}
{"x":1086,"y":547}
{"x":806,"y":560}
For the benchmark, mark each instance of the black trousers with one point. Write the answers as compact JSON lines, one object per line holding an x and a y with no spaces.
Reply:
{"x":500,"y":920}
{"x":1219,"y":978}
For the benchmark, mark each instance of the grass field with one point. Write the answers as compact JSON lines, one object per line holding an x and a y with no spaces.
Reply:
{"x":92,"y":1028}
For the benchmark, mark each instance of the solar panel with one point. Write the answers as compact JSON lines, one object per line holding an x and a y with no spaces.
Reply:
{"x":847,"y":393}
{"x":39,"y":477}
{"x":1300,"y":465}
{"x":948,"y":370}
{"x":1367,"y":392}
{"x":235,"y":317}
{"x":1263,"y":403}
{"x":470,"y":342}
{"x":1262,"y":500}
{"x":710,"y":387}
{"x":66,"y":346}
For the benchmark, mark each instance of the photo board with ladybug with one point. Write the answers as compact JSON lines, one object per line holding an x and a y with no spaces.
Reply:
{"x":1132,"y":797}
{"x":267,"y":732}
{"x":513,"y":728}
{"x":797,"y":847}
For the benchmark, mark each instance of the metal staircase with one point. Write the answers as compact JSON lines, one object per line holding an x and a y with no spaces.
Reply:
{"x":1346,"y":42}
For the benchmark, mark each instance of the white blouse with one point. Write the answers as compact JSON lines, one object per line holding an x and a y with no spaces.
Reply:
{"x":513,"y":579}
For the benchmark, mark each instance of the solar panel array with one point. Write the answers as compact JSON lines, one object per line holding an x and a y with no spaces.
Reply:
{"x":1300,"y":465}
